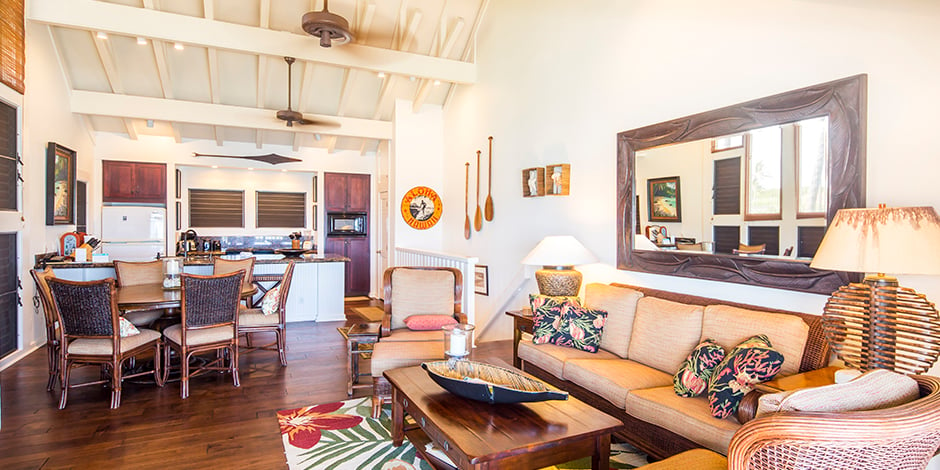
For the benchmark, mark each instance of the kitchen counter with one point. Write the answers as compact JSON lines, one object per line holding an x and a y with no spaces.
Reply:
{"x":201,"y":261}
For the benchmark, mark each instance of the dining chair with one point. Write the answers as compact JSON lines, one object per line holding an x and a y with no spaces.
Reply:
{"x":750,"y":249}
{"x":90,"y":334}
{"x":52,"y":324}
{"x":209,"y":309}
{"x":133,"y":273}
{"x":272,"y":314}
{"x":225,"y":266}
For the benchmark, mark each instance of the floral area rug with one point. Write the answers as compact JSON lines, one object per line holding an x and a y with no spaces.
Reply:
{"x":343,"y":436}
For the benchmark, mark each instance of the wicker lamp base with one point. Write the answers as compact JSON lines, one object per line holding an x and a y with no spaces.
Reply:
{"x":558,"y":282}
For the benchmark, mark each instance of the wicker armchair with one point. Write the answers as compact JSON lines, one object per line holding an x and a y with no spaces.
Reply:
{"x":90,"y":335}
{"x":133,"y":273}
{"x":52,"y":324}
{"x":210,"y":323}
{"x":902,"y":437}
{"x":253,"y":320}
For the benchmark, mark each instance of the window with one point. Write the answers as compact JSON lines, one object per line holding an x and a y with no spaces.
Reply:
{"x":764,"y":175}
{"x":8,"y":169}
{"x":727,"y":238}
{"x":812,"y":162}
{"x":808,"y":240}
{"x":727,"y":143}
{"x":281,"y":209}
{"x":9,"y":295}
{"x":726,"y":191}
{"x":216,"y":208}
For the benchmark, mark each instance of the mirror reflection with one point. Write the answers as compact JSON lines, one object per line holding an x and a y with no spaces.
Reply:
{"x":759,"y":193}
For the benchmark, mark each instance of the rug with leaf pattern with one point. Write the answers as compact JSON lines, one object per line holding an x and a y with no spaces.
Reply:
{"x":343,"y":436}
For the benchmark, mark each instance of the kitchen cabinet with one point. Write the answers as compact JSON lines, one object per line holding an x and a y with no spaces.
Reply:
{"x":346,"y":192}
{"x":135,"y":182}
{"x":357,"y":268}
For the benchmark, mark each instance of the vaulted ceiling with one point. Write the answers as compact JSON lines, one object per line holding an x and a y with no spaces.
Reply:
{"x":215,"y":69}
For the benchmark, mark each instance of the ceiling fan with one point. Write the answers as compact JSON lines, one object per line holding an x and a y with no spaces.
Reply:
{"x":329,"y":27}
{"x":289,"y":114}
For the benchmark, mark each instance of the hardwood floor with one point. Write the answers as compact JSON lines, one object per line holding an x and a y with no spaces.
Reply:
{"x":218,"y":426}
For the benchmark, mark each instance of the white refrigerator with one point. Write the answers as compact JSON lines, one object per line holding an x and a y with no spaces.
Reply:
{"x":133,"y":233}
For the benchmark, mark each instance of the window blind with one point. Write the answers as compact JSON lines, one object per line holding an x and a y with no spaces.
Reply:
{"x":281,"y":209}
{"x":12,"y":44}
{"x":727,"y":186}
{"x":216,"y":208}
{"x":769,"y":236}
{"x":727,"y":238}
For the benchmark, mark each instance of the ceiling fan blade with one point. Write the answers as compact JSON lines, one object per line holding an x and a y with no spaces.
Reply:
{"x":309,"y":122}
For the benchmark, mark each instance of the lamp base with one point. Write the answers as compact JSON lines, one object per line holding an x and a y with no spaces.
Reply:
{"x":562,"y":281}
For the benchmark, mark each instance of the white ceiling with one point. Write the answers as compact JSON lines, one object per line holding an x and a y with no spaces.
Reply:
{"x":230,"y":78}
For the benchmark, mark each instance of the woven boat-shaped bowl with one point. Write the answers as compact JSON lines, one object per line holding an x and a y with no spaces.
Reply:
{"x":489,"y":383}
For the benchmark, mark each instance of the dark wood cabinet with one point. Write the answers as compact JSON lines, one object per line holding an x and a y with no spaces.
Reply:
{"x":357,"y":268}
{"x":346,"y":192}
{"x":133,"y":182}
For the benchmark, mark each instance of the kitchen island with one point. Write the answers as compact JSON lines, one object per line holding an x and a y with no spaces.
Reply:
{"x":316,"y":292}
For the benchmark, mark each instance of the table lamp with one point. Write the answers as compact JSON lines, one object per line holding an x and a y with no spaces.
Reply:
{"x":877,"y":324}
{"x":557,"y":255}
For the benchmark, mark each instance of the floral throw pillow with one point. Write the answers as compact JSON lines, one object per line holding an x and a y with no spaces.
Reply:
{"x":270,"y":300}
{"x":751,"y":362}
{"x":127,"y":328}
{"x":581,"y":328}
{"x":547,"y":315}
{"x":691,"y":379}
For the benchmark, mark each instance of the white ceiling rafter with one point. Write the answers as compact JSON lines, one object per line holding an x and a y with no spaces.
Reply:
{"x":86,"y":122}
{"x":264,"y":22}
{"x":407,"y":37}
{"x":212,"y":57}
{"x":446,"y":45}
{"x":305,"y":84}
{"x":471,"y":46}
{"x":106,"y":55}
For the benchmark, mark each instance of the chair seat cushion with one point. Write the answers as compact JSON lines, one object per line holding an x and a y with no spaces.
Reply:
{"x":392,"y":355}
{"x":552,"y":358}
{"x":103,"y":346}
{"x":203,"y":336}
{"x":697,"y":459}
{"x":688,"y":417}
{"x":256,"y":317}
{"x":405,"y":334}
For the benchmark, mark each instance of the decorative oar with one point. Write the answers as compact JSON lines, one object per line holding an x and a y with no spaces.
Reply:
{"x":466,"y":202}
{"x":488,"y":207}
{"x":478,"y":217}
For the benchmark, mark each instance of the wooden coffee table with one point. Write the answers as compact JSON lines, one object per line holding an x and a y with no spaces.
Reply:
{"x":477,"y":435}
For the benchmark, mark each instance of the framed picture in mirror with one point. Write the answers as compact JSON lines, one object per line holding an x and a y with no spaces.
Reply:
{"x":664,"y":199}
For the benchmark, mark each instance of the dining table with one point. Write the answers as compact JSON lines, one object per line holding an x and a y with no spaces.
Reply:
{"x":155,"y":297}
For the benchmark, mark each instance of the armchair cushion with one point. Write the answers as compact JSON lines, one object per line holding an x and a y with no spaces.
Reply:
{"x":873,"y":390}
{"x":753,"y":361}
{"x":420,"y":291}
{"x":201,"y":336}
{"x":429,"y":322}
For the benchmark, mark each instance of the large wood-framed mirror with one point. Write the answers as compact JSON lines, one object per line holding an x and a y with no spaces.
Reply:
{"x":840,"y":103}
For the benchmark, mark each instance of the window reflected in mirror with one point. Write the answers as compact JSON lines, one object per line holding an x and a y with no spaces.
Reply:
{"x":764,"y":174}
{"x":813,"y":162}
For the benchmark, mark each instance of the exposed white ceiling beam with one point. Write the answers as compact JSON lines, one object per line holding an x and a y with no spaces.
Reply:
{"x":389,"y":83}
{"x":447,"y":44}
{"x":132,"y":21}
{"x":471,"y":46}
{"x":212,"y":57}
{"x":177,"y":136}
{"x":106,"y":55}
{"x":364,"y":21}
{"x":141,"y":107}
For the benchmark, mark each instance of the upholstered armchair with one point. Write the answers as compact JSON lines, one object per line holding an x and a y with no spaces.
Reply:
{"x":412,"y":291}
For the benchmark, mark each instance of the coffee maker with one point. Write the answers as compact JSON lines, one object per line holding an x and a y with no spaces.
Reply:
{"x":186,"y":243}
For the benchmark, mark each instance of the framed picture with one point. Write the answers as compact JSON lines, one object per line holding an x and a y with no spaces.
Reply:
{"x":481,"y":280}
{"x":314,"y":189}
{"x":533,"y":182}
{"x":60,"y":185}
{"x":314,"y":227}
{"x":179,"y":183}
{"x":664,"y":199}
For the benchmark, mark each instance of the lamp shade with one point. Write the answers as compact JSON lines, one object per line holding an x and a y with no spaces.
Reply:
{"x":893,"y":240}
{"x":559,"y":250}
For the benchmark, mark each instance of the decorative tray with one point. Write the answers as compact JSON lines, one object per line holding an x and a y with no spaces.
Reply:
{"x":291,"y":252}
{"x":489,"y":383}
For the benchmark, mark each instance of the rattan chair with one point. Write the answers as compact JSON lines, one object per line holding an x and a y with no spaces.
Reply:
{"x":903,"y":437}
{"x":210,"y":322}
{"x":90,"y":335}
{"x":750,"y":249}
{"x":52,"y":324}
{"x":412,"y":291}
{"x":253,"y":320}
{"x":225,"y":266}
{"x":133,"y":273}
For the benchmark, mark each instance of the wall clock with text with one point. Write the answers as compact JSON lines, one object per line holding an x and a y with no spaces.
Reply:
{"x":69,"y":241}
{"x":421,"y":207}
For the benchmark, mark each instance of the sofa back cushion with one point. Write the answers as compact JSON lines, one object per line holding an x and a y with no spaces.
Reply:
{"x":729,"y":326}
{"x":421,"y":292}
{"x":664,"y":332}
{"x":620,"y":305}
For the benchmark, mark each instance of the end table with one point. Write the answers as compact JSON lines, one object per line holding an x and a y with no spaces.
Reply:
{"x":359,"y":334}
{"x":523,"y":322}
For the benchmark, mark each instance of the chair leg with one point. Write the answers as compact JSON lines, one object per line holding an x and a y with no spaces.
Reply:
{"x":248,"y":340}
{"x":166,"y":362}
{"x":116,"y":384}
{"x":279,"y":333}
{"x":158,"y":376}
{"x":184,"y":374}
{"x":234,"y":359}
{"x":64,"y":378}
{"x":52,"y":353}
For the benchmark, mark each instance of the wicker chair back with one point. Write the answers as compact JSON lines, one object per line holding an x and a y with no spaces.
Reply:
{"x":85,"y":308}
{"x":211,"y":300}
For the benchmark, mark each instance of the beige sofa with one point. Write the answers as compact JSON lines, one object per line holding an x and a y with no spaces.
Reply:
{"x":647,"y":336}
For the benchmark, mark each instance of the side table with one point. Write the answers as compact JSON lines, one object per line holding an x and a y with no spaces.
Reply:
{"x":523,"y":322}
{"x":359,"y":334}
{"x":813,"y":378}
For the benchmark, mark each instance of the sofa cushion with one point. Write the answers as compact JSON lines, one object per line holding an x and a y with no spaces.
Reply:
{"x":620,"y":305}
{"x":688,"y":417}
{"x":612,"y":379}
{"x":732,"y":325}
{"x":753,"y":361}
{"x":547,"y":322}
{"x":691,"y":379}
{"x":664,"y":332}
{"x":551,"y":358}
{"x":873,"y":390}
{"x":419,"y":292}
{"x":581,"y":327}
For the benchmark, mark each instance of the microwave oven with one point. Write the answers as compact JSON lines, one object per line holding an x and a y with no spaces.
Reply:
{"x":346,"y":224}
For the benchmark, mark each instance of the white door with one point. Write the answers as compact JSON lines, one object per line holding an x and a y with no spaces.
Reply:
{"x":382,"y":243}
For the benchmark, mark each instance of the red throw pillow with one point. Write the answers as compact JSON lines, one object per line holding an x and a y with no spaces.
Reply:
{"x":429,"y":322}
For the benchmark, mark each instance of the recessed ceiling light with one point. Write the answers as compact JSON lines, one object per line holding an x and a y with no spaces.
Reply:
{"x":381,"y":74}
{"x":150,"y":123}
{"x":251,"y":169}
{"x":317,"y":136}
{"x":412,"y":78}
{"x":102,"y":35}
{"x":215,"y":166}
{"x":437,"y":82}
{"x":178,"y":46}
{"x":142,"y":41}
{"x":283,"y":170}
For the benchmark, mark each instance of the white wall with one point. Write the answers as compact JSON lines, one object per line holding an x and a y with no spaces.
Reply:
{"x":553,"y":94}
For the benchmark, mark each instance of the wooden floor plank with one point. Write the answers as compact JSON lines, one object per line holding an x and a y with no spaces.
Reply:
{"x":218,"y":426}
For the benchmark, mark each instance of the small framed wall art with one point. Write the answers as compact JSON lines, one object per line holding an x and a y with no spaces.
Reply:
{"x":481,"y":280}
{"x":533,"y":182}
{"x":60,"y":185}
{"x":557,"y":179}
{"x":421,"y":207}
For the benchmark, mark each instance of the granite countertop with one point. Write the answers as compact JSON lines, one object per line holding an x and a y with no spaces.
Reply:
{"x":201,"y":261}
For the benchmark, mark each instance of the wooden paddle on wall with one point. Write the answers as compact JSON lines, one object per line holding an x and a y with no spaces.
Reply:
{"x":478,"y":217}
{"x":488,"y":206}
{"x":466,"y":202}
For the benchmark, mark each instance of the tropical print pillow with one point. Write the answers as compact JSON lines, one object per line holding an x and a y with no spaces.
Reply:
{"x":581,"y":328}
{"x":751,"y":362}
{"x":127,"y":328}
{"x":691,"y":379}
{"x":547,"y":319}
{"x":270,"y":301}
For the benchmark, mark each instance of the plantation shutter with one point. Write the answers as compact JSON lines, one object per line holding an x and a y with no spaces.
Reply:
{"x":769,"y":236}
{"x":281,"y":209}
{"x":216,"y":208}
{"x":727,"y":238}
{"x":808,"y":240}
{"x":727,"y":186}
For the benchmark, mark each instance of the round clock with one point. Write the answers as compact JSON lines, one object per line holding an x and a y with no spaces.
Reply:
{"x":69,"y":241}
{"x":421,"y":207}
